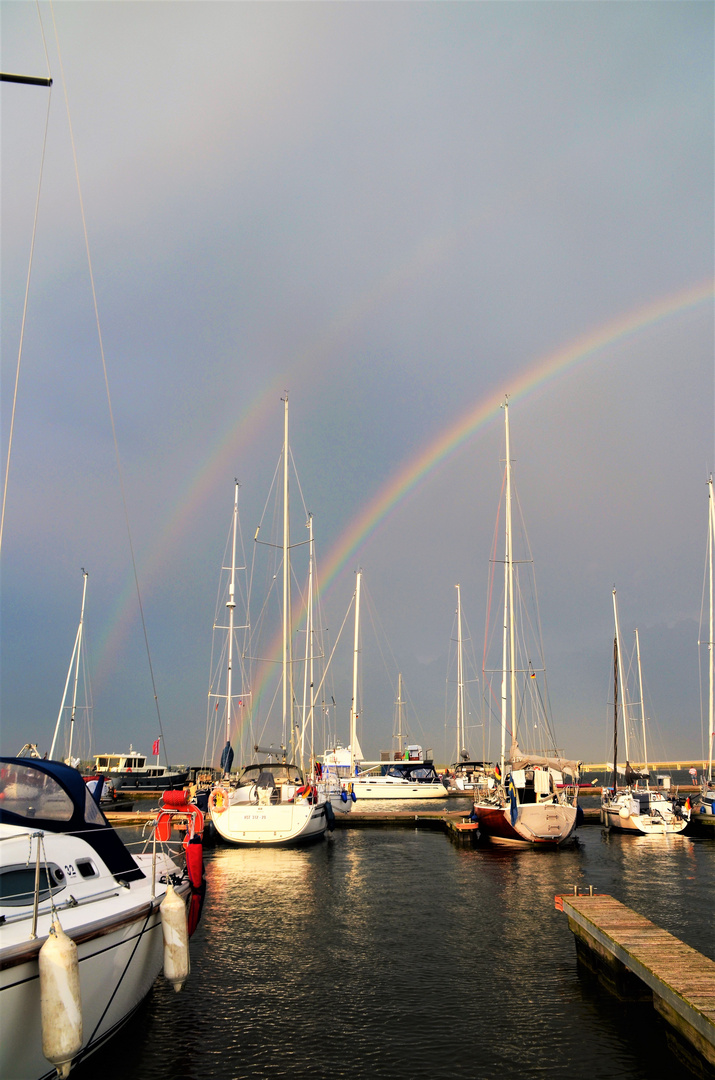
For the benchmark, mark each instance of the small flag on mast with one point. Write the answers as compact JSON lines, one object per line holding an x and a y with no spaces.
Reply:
{"x":155,"y":747}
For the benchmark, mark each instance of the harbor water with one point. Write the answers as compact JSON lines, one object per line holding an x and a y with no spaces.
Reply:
{"x":395,"y":954}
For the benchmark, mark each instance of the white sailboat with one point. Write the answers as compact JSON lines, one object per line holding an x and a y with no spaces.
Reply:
{"x":465,"y":774}
{"x":272,"y":802}
{"x":410,"y":778}
{"x":635,"y":807}
{"x":527,"y":803}
{"x":705,"y":801}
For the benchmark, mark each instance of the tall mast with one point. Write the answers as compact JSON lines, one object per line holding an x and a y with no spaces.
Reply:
{"x":308,"y":672}
{"x":615,"y":714}
{"x":356,"y":645}
{"x":509,"y":660}
{"x":74,"y":662}
{"x":460,"y":677}
{"x":711,"y":639}
{"x":400,"y":735}
{"x":85,"y":576}
{"x":287,"y":666}
{"x":620,"y":675}
{"x":640,"y":686}
{"x":231,"y":605}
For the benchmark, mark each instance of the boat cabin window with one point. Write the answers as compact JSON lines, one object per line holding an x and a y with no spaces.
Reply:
{"x":17,"y":884}
{"x":29,"y":793}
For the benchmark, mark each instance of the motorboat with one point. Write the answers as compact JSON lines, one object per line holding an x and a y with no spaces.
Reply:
{"x":130,"y":770}
{"x":67,"y":879}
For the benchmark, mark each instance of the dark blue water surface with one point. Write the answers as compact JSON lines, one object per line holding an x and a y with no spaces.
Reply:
{"x":394,"y":954}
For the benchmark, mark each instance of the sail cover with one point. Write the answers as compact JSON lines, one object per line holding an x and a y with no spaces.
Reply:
{"x":521,"y":760}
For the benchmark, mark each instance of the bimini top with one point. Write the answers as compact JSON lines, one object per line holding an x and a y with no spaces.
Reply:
{"x":51,"y":796}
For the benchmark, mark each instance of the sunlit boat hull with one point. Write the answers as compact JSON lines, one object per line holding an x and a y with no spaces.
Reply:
{"x":642,"y":824}
{"x":387,"y":787}
{"x":536,"y":824}
{"x":125,"y":956}
{"x":282,"y":825}
{"x":53,"y":839}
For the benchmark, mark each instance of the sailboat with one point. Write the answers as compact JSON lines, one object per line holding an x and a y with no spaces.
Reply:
{"x":705,"y":801}
{"x":465,"y":774}
{"x":635,"y":807}
{"x":272,"y":802}
{"x":410,"y":777}
{"x":526,"y":801}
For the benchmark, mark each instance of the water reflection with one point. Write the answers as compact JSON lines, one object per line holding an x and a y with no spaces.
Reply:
{"x":396,"y":955}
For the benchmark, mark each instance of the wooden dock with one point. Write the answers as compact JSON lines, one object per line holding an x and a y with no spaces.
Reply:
{"x":637,"y":960}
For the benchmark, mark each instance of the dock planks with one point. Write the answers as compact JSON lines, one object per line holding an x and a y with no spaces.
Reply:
{"x":628,"y":951}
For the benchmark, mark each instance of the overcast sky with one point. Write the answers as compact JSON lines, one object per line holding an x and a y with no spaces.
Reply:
{"x":399,"y":213}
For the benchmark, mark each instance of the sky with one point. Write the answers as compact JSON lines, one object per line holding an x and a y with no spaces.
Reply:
{"x":398,"y":214}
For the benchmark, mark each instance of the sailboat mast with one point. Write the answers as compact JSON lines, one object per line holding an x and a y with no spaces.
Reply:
{"x":287,"y":696}
{"x":308,"y":672}
{"x":85,"y":575}
{"x":460,"y":676}
{"x":711,"y":639}
{"x":509,"y":600}
{"x":615,"y":714}
{"x":640,"y":686}
{"x":620,"y":674}
{"x":400,"y":735}
{"x":73,"y":658}
{"x":356,"y":643}
{"x":231,"y":605}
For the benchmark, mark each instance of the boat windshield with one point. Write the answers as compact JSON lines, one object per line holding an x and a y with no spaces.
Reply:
{"x":405,"y":771}
{"x":279,"y":772}
{"x":28,"y":793}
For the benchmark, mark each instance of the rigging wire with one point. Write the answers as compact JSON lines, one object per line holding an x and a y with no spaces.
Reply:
{"x":27,"y":289}
{"x":106,"y":385}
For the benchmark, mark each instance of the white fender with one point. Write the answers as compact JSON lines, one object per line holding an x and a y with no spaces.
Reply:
{"x":624,"y":812}
{"x":176,"y":938}
{"x":60,"y":1000}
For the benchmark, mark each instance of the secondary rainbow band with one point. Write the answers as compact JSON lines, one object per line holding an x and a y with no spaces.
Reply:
{"x":408,"y":476}
{"x":406,"y":479}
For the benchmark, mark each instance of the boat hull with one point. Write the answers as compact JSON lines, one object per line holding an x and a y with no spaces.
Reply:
{"x":641,"y":824}
{"x":280,"y":825}
{"x":379,"y":788}
{"x":150,"y":781}
{"x":134,"y":948}
{"x":536,"y":824}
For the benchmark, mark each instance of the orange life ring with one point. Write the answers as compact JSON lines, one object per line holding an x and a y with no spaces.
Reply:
{"x":218,"y":800}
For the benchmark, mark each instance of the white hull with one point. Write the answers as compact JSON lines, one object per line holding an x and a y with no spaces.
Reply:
{"x":387,"y":787}
{"x":663,"y":822}
{"x":119,"y":941}
{"x":282,"y":824}
{"x":135,"y":945}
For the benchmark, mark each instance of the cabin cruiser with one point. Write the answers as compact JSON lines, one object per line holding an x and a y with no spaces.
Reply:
{"x":130,"y":770}
{"x":67,"y":880}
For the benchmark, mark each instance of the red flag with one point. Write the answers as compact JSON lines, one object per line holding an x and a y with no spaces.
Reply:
{"x":155,"y":747}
